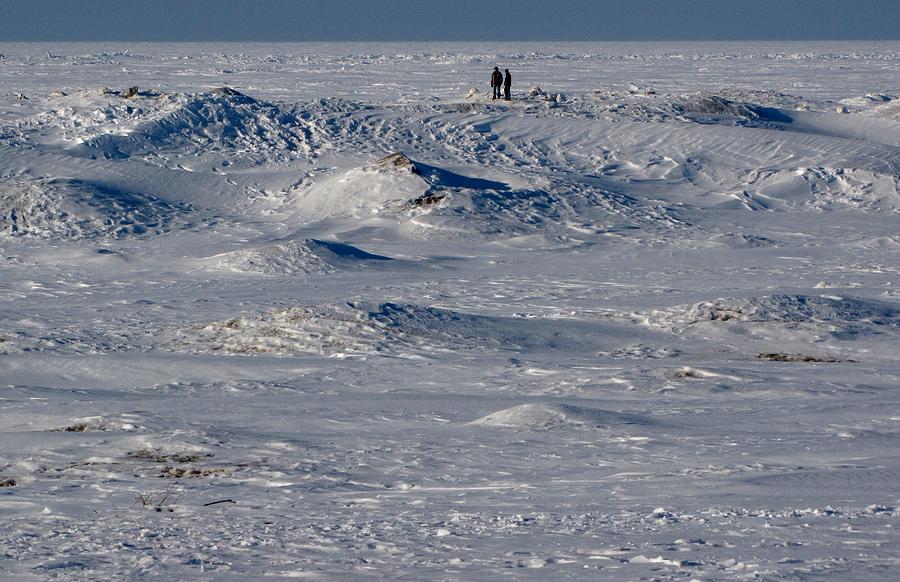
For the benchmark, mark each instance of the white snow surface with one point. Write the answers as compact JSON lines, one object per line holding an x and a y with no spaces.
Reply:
{"x":328,"y":311}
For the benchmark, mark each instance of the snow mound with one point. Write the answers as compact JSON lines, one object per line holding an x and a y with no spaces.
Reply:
{"x":785,"y":309}
{"x":222,"y":120}
{"x":875,"y":104}
{"x":67,"y":208}
{"x":743,"y":240}
{"x":292,"y":257}
{"x":714,"y":105}
{"x":889,"y":110}
{"x":323,"y":330}
{"x":878,"y":242}
{"x":715,"y":109}
{"x":730,"y":107}
{"x":439,"y":203}
{"x":549,"y":416}
{"x":559,"y":214}
{"x":431,"y":202}
{"x":824,"y":188}
{"x":365,"y":191}
{"x":344,"y":328}
{"x":433,"y":326}
{"x":363,"y":328}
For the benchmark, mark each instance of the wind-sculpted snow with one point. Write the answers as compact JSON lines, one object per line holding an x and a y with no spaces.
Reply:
{"x":295,"y":257}
{"x":875,"y":104}
{"x":790,"y":328}
{"x":792,"y":309}
{"x":355,"y":319}
{"x":557,"y":213}
{"x":824,"y":189}
{"x":436,"y":203}
{"x":364,"y":328}
{"x":362,"y":192}
{"x":104,"y":337}
{"x":713,"y":109}
{"x":64,"y":208}
{"x":732,"y":108}
{"x":549,"y":416}
{"x":889,"y":110}
{"x":325,"y":330}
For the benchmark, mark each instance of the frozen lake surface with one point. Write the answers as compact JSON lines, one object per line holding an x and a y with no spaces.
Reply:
{"x":325,"y":311}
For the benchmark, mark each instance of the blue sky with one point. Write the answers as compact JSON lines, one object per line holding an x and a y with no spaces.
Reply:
{"x":432,"y":20}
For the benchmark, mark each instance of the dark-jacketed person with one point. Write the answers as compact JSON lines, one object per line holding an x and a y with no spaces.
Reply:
{"x":507,"y":84}
{"x":496,"y":82}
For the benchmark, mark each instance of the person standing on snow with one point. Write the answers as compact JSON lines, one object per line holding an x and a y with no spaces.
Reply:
{"x":496,"y":82}
{"x":507,"y":83}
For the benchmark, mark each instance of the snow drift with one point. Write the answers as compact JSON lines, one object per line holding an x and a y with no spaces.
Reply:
{"x":364,"y":192}
{"x":549,"y":416}
{"x":67,"y":208}
{"x":788,"y":322}
{"x":362,"y":327}
{"x":792,"y":309}
{"x":292,"y":257}
{"x":823,"y":188}
{"x":431,"y":202}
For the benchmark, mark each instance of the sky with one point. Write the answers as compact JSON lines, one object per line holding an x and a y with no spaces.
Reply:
{"x":447,"y":20}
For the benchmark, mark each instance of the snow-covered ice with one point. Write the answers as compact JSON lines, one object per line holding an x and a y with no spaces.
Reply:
{"x":327,"y":311}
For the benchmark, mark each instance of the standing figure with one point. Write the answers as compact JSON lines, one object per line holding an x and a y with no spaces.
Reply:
{"x":496,"y":82}
{"x":507,"y":83}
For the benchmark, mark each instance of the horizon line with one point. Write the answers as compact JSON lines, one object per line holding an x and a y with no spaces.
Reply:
{"x":469,"y":41}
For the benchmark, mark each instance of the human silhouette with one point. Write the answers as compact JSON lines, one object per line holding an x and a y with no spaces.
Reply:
{"x":507,"y":84}
{"x":496,"y":82}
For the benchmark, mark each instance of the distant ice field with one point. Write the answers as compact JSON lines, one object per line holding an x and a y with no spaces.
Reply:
{"x":416,"y":71}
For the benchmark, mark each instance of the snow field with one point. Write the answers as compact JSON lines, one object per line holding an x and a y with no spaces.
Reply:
{"x":323,"y":311}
